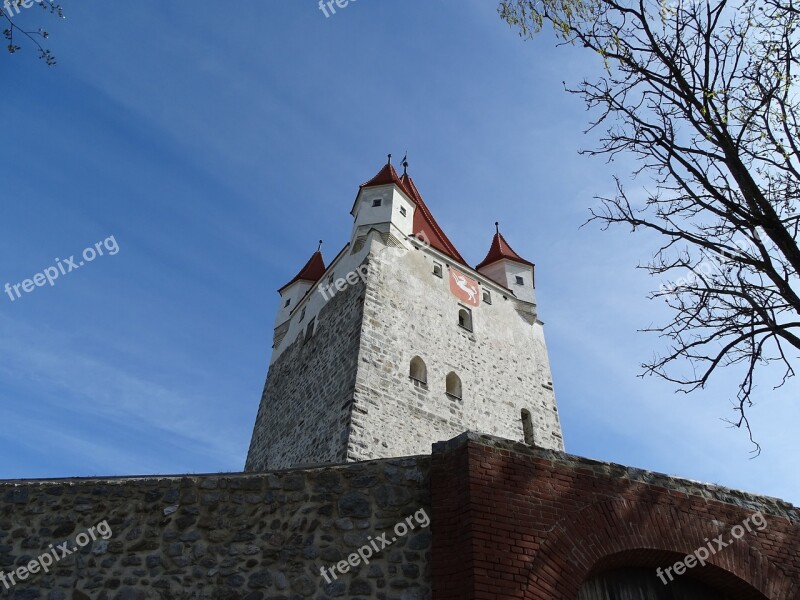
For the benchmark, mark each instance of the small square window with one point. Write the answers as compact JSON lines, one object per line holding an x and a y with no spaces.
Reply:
{"x":288,"y":302}
{"x":403,"y":210}
{"x":520,"y":280}
{"x":376,"y":202}
{"x":437,"y":269}
{"x":487,"y":296}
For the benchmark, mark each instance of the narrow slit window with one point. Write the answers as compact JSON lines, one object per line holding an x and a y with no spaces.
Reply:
{"x":437,"y":269}
{"x":487,"y":296}
{"x":527,"y":428}
{"x":465,"y":319}
{"x":310,"y":330}
{"x":288,"y":302}
{"x":403,"y":210}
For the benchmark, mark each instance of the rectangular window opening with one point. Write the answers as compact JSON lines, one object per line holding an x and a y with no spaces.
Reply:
{"x":309,"y":330}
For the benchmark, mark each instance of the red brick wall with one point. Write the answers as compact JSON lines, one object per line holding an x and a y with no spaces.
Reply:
{"x":510,"y":521}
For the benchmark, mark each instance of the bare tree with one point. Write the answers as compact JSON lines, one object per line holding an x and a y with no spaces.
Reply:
{"x":9,"y":12}
{"x":703,"y":95}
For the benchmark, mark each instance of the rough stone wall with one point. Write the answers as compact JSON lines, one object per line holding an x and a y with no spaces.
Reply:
{"x":304,"y":415}
{"x":517,"y":522}
{"x":253,"y":537}
{"x":503,"y":363}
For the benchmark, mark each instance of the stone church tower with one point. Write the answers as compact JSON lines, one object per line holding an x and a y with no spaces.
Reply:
{"x":398,"y":343}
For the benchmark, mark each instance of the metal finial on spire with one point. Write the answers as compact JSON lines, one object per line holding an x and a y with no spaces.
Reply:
{"x":320,"y":246}
{"x":405,"y":163}
{"x":497,"y":226}
{"x":390,"y":160}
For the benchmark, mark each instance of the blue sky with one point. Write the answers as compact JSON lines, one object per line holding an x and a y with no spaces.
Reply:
{"x":217,"y":144}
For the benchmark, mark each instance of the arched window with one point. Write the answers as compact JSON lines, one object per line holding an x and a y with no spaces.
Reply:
{"x":453,"y":385}
{"x":527,"y":428}
{"x":418,"y":370}
{"x":465,"y":319}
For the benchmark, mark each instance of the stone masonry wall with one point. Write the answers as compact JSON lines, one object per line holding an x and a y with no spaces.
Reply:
{"x":233,"y":537}
{"x":518,"y":522}
{"x":503,"y":364}
{"x":304,"y":415}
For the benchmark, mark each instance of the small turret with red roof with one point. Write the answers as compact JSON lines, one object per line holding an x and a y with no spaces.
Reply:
{"x":296,"y":289}
{"x":389,"y":199}
{"x":393,"y":206}
{"x":508,"y":268}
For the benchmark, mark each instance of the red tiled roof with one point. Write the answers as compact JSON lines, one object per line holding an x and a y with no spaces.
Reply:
{"x":500,"y":250}
{"x":425,"y":224}
{"x":385,"y":176}
{"x":313,"y":270}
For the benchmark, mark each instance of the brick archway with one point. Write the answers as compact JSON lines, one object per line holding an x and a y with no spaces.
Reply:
{"x":621,"y":533}
{"x":514,"y":522}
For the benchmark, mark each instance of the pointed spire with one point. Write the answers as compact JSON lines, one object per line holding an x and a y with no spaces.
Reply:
{"x":424,"y":223}
{"x":312,"y":271}
{"x":385,"y":176}
{"x":499,"y":250}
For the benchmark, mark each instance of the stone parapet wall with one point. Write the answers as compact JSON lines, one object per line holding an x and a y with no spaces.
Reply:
{"x":230,"y":536}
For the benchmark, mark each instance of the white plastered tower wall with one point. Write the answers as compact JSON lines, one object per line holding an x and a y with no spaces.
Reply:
{"x":290,"y":296}
{"x":343,"y":392}
{"x":506,"y":272}
{"x":385,"y":221}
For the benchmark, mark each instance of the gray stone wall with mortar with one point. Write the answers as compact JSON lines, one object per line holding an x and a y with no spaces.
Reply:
{"x":502,"y":363}
{"x":304,"y":415}
{"x":234,"y":537}
{"x":346,"y":395}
